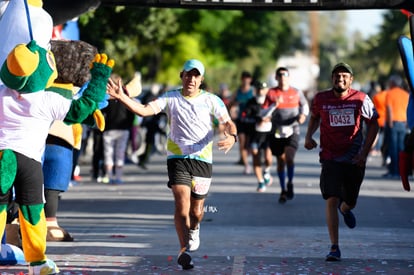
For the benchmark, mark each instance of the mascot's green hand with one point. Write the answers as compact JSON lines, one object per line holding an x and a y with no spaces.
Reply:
{"x":103,"y":59}
{"x":101,"y":69}
{"x":82,"y":110}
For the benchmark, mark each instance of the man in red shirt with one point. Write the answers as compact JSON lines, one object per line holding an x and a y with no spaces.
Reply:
{"x":340,"y":113}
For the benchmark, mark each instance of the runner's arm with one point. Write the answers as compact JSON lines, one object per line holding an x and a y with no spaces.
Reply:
{"x":313,"y":125}
{"x":116,"y":91}
{"x":372,"y":131}
{"x":230,"y":134}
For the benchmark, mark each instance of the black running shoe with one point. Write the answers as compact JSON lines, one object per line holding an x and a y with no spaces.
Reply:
{"x":239,"y":162}
{"x":184,"y":259}
{"x":349,"y":217}
{"x":289,"y":193}
{"x":334,"y":255}
{"x":283,"y":197}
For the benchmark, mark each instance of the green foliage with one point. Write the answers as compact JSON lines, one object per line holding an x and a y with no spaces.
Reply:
{"x":156,"y":41}
{"x":133,"y":36}
{"x":179,"y":49}
{"x":333,"y":44}
{"x":377,"y":57}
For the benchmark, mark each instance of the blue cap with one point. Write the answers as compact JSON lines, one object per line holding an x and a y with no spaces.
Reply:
{"x":194,"y":64}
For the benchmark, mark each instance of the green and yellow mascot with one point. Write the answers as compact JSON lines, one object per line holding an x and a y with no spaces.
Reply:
{"x":27,"y":111}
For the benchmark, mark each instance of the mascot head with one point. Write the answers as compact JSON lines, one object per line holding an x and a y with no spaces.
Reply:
{"x":29,"y":68}
{"x":73,"y":60}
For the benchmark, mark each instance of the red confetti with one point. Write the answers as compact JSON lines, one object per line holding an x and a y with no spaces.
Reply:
{"x":205,"y":257}
{"x":369,"y":269}
{"x":169,"y":258}
{"x":117,"y":236}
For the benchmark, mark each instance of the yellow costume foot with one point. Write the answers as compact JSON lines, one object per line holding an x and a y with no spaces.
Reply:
{"x":48,"y":268}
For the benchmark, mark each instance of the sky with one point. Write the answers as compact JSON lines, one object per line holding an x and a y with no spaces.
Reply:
{"x":365,"y":21}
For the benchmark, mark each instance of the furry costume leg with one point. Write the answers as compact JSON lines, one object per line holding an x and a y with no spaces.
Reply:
{"x":9,"y":254}
{"x":33,"y":229}
{"x":3,"y":219}
{"x":8,"y":168}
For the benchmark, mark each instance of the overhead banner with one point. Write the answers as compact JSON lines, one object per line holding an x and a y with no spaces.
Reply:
{"x":300,"y":4}
{"x":64,"y":10}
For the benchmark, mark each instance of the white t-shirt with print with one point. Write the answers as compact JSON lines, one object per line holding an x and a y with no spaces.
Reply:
{"x":191,"y":130}
{"x":25,"y":119}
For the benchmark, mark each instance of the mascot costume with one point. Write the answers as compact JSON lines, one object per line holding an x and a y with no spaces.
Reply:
{"x":72,"y":62}
{"x":27,"y":111}
{"x":406,"y":157}
{"x":10,"y":16}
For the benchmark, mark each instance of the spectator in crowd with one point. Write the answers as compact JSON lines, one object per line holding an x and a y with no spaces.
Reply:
{"x":152,"y":125}
{"x":118,"y":124}
{"x":406,"y":156}
{"x":380,"y":144}
{"x":98,"y":166}
{"x":225,"y":94}
{"x":396,"y":102}
{"x":72,"y":63}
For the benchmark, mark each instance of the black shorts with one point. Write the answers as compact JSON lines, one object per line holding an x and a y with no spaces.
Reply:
{"x":277,"y":145}
{"x":28,"y":183}
{"x":195,"y":174}
{"x":342,"y":180}
{"x":247,"y":128}
{"x":260,"y":141}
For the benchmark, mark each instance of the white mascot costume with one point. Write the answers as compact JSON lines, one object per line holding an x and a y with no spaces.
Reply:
{"x":28,"y":69}
{"x":12,"y":14}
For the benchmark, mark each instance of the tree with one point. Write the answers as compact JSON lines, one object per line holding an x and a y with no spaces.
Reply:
{"x":133,"y":36}
{"x":377,"y":57}
{"x":157,"y":41}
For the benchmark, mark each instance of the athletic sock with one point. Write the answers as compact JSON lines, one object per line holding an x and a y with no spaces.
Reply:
{"x":282,"y":177}
{"x":290,"y":172}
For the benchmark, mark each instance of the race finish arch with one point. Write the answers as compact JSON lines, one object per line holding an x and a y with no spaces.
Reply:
{"x":271,"y":4}
{"x":64,"y":10}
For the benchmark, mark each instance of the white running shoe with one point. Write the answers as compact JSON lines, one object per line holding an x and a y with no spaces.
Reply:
{"x":268,"y":179}
{"x":48,"y":268}
{"x":194,"y":239}
{"x":261,"y":187}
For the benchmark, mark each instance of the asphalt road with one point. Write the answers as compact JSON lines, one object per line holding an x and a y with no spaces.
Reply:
{"x":129,"y":229}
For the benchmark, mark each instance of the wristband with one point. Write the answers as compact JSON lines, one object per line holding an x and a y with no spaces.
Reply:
{"x":235,"y":137}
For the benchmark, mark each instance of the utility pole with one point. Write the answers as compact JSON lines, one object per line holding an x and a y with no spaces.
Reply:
{"x":314,"y":34}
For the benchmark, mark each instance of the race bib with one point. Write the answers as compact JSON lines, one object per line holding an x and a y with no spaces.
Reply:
{"x":200,"y":186}
{"x":284,"y":132}
{"x":341,"y":117}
